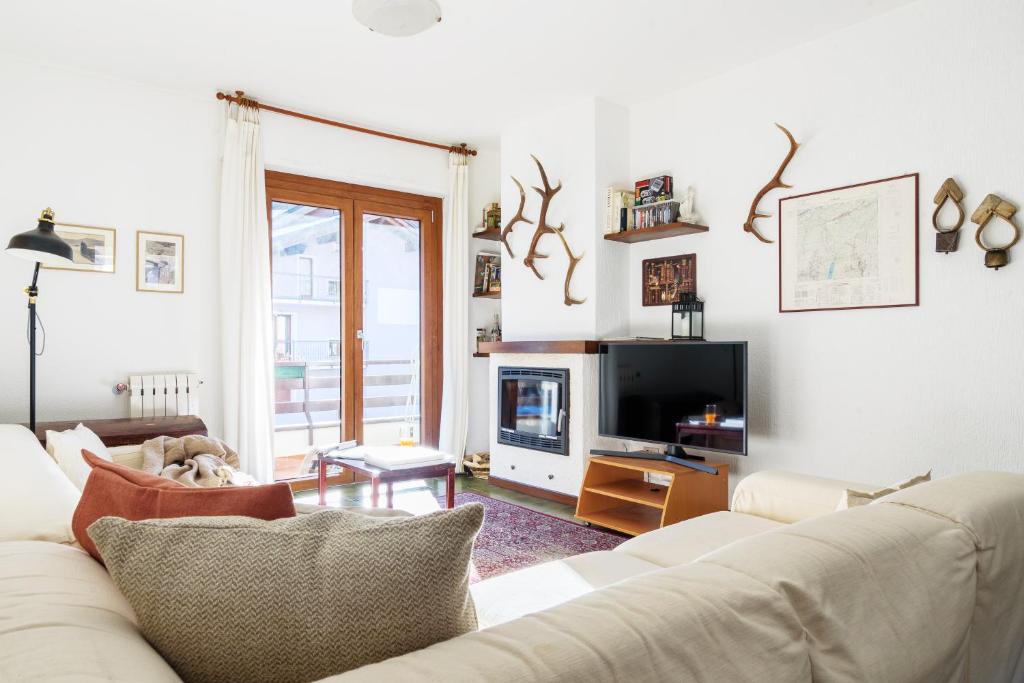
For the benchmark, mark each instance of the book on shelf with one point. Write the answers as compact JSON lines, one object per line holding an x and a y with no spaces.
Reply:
{"x":617,"y":203}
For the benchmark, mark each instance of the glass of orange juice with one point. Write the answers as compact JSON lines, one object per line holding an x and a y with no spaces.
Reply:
{"x":405,"y":438}
{"x":711,"y":413}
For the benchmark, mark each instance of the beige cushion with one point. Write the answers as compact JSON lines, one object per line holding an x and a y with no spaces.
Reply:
{"x":66,"y":449}
{"x":36,"y":499}
{"x":536,"y":588}
{"x":62,"y":619}
{"x":786,"y":497}
{"x":296,"y":599}
{"x":686,"y":541}
{"x":990,"y":505}
{"x":883,"y":593}
{"x":852,"y":498}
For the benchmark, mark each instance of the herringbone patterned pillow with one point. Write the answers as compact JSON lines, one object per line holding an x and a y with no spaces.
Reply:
{"x":298,"y":599}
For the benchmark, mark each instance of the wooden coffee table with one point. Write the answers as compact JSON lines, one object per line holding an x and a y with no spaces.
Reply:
{"x":378,"y":475}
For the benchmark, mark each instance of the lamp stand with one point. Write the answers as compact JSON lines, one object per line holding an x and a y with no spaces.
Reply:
{"x":32,"y":291}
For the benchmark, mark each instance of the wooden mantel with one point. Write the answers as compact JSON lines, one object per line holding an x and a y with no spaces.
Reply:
{"x":550,"y":346}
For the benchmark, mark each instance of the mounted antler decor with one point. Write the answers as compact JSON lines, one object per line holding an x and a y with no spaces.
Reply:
{"x":947,"y":238}
{"x":994,"y":205}
{"x":543,"y":228}
{"x":774,"y":183}
{"x":518,"y":218}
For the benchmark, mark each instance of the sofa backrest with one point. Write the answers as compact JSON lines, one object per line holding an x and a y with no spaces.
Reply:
{"x":882,"y":592}
{"x":36,"y":499}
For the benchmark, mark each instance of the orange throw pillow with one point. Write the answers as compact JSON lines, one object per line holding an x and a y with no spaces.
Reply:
{"x":114,"y":490}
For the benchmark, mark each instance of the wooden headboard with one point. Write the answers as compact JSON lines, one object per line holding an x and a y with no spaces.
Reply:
{"x":128,"y":431}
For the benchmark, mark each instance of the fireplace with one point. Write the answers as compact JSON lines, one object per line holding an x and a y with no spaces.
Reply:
{"x":533,"y":408}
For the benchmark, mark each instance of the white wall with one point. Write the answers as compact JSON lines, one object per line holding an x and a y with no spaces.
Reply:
{"x":128,"y":156}
{"x":870,"y":395}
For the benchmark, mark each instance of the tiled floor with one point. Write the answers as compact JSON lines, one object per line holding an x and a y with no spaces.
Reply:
{"x":422,"y":495}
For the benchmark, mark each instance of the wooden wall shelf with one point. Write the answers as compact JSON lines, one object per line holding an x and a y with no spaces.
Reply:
{"x":492,"y":234}
{"x":481,"y":355}
{"x":616,"y":496}
{"x":486,"y":295}
{"x":553,"y":346}
{"x":656,"y":233}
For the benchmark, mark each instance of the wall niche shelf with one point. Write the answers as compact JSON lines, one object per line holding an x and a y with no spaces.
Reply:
{"x":656,"y":233}
{"x":492,"y":234}
{"x":486,"y":295}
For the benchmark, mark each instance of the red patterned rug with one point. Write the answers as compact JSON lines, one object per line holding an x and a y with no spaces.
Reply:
{"x":514,"y":537}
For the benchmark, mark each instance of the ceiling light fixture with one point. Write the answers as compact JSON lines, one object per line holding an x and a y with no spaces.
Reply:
{"x":397,"y":18}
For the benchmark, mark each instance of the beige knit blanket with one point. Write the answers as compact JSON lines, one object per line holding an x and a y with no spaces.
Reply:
{"x":193,"y":461}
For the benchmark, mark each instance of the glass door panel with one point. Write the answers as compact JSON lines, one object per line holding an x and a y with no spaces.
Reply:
{"x":390,"y":328}
{"x":306,"y":269}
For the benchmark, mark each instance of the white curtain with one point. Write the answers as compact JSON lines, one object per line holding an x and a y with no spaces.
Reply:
{"x":247,"y":331}
{"x":457,"y":288}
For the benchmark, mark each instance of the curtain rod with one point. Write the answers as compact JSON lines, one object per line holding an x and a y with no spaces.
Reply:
{"x":239,"y":97}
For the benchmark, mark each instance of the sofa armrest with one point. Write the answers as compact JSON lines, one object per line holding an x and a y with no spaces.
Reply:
{"x":788,"y":497}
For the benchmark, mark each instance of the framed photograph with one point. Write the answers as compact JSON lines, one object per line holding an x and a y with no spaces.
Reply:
{"x":160,"y":262}
{"x":94,"y":250}
{"x":487,"y":276}
{"x":850,"y":247}
{"x":664,"y":279}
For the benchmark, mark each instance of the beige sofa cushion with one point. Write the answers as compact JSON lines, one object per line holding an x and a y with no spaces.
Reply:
{"x":990,"y":506}
{"x":786,"y":497}
{"x":36,"y":499}
{"x":295,"y":599}
{"x":883,"y":593}
{"x":682,"y":543}
{"x":536,"y":588}
{"x":66,"y":450}
{"x":62,"y":619}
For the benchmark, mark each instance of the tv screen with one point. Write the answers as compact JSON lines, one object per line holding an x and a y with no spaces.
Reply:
{"x":692,"y":394}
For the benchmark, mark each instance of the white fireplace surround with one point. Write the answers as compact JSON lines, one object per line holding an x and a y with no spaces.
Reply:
{"x":552,"y":472}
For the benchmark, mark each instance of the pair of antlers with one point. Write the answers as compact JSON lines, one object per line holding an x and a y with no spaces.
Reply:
{"x":773,"y":184}
{"x":546,"y":194}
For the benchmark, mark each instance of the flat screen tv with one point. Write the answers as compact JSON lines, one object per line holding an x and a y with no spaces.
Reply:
{"x":681,"y":394}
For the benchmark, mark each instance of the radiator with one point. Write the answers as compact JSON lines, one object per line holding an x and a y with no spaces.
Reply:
{"x":164,"y":395}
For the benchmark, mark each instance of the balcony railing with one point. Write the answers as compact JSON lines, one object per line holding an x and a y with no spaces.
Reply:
{"x":308,"y":351}
{"x":296,"y":287}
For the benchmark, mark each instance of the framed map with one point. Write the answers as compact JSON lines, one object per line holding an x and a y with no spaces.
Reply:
{"x":850,"y":247}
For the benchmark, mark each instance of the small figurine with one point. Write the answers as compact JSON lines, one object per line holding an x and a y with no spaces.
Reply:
{"x":687,"y":214}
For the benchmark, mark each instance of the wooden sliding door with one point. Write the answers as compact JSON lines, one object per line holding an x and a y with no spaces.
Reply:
{"x":357,"y":305}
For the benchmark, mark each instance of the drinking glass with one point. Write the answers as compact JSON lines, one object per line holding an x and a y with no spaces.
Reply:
{"x":711,"y":413}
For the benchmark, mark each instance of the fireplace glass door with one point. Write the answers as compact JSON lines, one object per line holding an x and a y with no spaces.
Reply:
{"x":532,"y":410}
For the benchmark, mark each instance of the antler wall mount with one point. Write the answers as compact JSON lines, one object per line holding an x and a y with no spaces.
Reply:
{"x":947,"y":239}
{"x":546,"y":193}
{"x":518,"y":218}
{"x":774,"y":183}
{"x":994,"y":205}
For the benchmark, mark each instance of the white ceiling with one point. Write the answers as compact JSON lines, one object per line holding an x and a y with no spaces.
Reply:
{"x":487,"y":63}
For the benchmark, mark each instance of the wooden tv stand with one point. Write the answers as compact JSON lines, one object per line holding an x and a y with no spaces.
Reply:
{"x":614,"y":494}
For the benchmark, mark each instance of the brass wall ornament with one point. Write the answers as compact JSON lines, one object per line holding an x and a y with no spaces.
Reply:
{"x":994,"y":205}
{"x":948,"y":239}
{"x":546,"y":194}
{"x":774,"y":183}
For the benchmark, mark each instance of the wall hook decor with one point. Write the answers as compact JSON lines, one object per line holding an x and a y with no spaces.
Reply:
{"x":774,"y":183}
{"x":994,"y":205}
{"x":947,"y":239}
{"x":518,"y":218}
{"x":546,"y":194}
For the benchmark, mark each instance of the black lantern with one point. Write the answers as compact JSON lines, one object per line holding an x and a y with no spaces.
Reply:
{"x":688,"y":317}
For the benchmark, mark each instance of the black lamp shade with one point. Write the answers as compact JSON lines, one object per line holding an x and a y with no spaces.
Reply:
{"x":42,"y":244}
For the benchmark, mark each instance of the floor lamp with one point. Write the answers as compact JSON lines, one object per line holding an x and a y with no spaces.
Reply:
{"x":41,"y":245}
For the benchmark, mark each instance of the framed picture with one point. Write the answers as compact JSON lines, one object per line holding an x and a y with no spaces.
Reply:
{"x":487,"y":276}
{"x":160,"y":262}
{"x":94,"y":250}
{"x":664,"y":279}
{"x":850,"y":247}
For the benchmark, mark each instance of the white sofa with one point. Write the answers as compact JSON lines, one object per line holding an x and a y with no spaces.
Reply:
{"x":927,"y":585}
